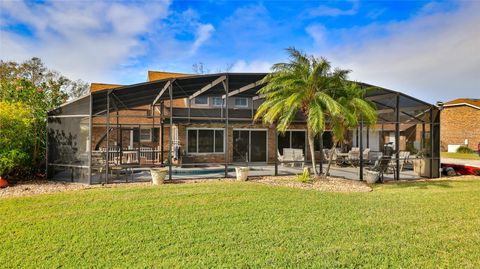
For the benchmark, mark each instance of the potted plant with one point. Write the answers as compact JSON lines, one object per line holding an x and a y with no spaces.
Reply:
{"x":158,"y":175}
{"x":372,"y":176}
{"x":242,"y":173}
{"x":3,"y":182}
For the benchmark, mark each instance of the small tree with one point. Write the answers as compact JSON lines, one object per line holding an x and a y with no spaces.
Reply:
{"x":16,"y":121}
{"x":304,"y":84}
{"x":354,"y":108}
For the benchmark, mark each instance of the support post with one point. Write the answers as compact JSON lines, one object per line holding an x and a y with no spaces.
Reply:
{"x":431,"y":142}
{"x":276,"y":149}
{"x":162,"y":129}
{"x":361,"y":149}
{"x":321,"y":153}
{"x":90,"y":125}
{"x":153,"y":135}
{"x":170,"y":91}
{"x":397,"y":136}
{"x":368,"y":136}
{"x":107,"y":157}
{"x":225,"y":86}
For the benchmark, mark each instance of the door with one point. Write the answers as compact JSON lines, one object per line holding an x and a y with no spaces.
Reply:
{"x":249,"y":146}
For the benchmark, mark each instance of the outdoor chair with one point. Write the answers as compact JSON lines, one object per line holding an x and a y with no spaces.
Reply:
{"x":366,"y":155}
{"x":291,"y":156}
{"x":403,"y":157}
{"x":381,"y":166}
{"x":354,"y":156}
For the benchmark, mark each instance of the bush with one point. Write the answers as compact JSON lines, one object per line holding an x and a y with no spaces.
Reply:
{"x":16,"y":136}
{"x":463,"y":149}
{"x":304,"y":177}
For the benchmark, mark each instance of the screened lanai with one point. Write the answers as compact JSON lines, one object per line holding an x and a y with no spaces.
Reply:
{"x":201,"y":126}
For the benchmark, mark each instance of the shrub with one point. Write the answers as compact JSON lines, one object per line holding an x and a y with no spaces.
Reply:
{"x":16,"y":136}
{"x":463,"y":149}
{"x":304,"y":177}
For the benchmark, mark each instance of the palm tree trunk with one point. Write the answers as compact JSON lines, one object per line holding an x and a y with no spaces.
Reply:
{"x":330,"y":158}
{"x":311,"y":144}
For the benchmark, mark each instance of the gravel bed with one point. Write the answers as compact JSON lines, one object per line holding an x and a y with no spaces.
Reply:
{"x":326,"y":184}
{"x":329,"y":184}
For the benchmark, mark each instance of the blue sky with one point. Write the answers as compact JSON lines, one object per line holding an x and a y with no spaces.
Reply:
{"x":428,"y":49}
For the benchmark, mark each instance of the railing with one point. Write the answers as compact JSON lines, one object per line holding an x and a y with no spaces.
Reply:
{"x":119,"y":156}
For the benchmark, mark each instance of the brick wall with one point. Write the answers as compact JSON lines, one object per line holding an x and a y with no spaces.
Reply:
{"x":459,"y":123}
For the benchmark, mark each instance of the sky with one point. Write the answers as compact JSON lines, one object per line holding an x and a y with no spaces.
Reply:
{"x":427,"y":49}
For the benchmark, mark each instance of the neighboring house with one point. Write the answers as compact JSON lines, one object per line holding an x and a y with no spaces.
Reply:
{"x":460,"y":125}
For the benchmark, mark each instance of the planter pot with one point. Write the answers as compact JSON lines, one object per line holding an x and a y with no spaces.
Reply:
{"x":3,"y":183}
{"x":158,"y":175}
{"x":372,"y":177}
{"x":422,"y":168}
{"x":242,"y":173}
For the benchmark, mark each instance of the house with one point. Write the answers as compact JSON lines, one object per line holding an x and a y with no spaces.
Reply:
{"x":460,"y":125}
{"x":200,"y":121}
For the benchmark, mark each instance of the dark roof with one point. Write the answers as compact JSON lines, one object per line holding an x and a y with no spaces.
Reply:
{"x":145,"y":93}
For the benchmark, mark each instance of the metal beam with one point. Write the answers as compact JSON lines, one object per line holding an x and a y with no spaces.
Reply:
{"x":381,"y":96}
{"x":167,"y":85}
{"x":402,"y":109}
{"x":244,"y":88}
{"x":261,"y":96}
{"x":208,"y":87}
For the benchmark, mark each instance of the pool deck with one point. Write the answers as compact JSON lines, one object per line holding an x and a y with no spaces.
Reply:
{"x":351,"y":173}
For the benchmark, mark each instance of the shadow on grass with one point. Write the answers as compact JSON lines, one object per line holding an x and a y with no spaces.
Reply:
{"x":419,"y":184}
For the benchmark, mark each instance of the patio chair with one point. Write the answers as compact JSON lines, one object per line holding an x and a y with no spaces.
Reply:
{"x":382,"y":166}
{"x":298,"y":156}
{"x":366,"y":155}
{"x":354,"y":156}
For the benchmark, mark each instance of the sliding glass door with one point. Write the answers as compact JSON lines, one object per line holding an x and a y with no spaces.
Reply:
{"x":249,"y":146}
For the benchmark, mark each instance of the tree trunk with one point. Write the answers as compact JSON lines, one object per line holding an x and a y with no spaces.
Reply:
{"x":311,"y":144}
{"x":330,"y":158}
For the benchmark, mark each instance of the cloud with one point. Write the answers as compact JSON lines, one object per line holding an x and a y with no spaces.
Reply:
{"x":93,"y":41}
{"x":319,"y":33}
{"x":204,"y":31}
{"x":252,"y":66}
{"x":327,"y":11}
{"x":431,"y":56}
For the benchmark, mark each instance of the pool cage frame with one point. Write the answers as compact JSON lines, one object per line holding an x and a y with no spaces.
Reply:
{"x":69,"y":127}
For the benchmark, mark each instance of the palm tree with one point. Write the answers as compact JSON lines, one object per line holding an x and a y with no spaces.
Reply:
{"x":354,"y":108}
{"x":304,"y":84}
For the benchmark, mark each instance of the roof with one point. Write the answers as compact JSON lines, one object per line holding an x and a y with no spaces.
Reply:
{"x":103,"y":86}
{"x":158,"y":75}
{"x":241,"y":85}
{"x":475,"y":103}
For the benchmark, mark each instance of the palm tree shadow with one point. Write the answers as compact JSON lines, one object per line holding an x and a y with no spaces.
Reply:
{"x":423,"y":184}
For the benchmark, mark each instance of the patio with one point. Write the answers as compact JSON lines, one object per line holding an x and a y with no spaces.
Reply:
{"x":100,"y":137}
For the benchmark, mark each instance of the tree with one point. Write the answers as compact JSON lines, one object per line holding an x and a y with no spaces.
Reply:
{"x":304,"y":84}
{"x":39,"y":90}
{"x":354,"y":108}
{"x":16,"y":121}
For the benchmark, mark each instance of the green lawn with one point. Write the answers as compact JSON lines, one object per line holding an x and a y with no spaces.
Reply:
{"x":454,"y":155}
{"x":415,"y":225}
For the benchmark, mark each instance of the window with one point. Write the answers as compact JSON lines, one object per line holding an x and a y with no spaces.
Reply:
{"x":218,"y":101}
{"x":145,"y":134}
{"x":241,"y":102}
{"x":202,"y":100}
{"x":291,"y":139}
{"x":205,"y":140}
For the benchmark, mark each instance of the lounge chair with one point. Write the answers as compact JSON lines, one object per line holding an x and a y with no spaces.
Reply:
{"x":382,"y":166}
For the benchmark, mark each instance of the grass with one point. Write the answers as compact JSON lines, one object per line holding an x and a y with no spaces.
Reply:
{"x":466,"y":156}
{"x":410,"y":225}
